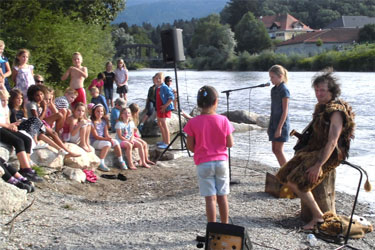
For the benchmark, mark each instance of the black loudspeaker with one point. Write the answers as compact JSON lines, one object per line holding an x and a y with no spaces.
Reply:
{"x":226,"y":236}
{"x":172,"y":45}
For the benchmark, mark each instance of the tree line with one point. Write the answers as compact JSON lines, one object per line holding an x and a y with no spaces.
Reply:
{"x":235,"y":39}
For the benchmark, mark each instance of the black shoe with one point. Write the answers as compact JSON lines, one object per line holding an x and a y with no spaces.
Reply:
{"x":22,"y":185}
{"x":32,"y":176}
{"x":28,"y":182}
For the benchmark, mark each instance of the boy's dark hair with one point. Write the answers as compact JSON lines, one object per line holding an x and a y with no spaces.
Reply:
{"x":100,"y":76}
{"x":326,"y":76}
{"x":207,"y":96}
{"x":33,"y":89}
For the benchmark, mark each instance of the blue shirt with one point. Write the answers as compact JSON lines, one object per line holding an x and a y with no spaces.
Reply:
{"x":277,"y":95}
{"x":115,"y":114}
{"x":100,"y":99}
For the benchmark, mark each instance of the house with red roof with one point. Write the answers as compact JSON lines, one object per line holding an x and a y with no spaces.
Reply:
{"x":318,"y":41}
{"x":284,"y":26}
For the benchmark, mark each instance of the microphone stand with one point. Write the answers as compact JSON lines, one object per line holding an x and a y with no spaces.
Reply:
{"x":360,"y":170}
{"x":227,"y":92}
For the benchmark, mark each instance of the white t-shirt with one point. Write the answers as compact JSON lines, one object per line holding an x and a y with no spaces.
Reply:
{"x":4,"y":114}
{"x":127,"y":130}
{"x":120,"y":75}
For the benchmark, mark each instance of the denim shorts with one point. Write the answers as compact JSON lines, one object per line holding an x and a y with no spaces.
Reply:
{"x":108,"y":92}
{"x":213,"y":178}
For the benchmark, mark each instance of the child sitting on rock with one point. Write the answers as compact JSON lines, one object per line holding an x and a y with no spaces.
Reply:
{"x":79,"y":127}
{"x":134,"y":109}
{"x":37,"y":108}
{"x":125,"y":136}
{"x":101,"y":140}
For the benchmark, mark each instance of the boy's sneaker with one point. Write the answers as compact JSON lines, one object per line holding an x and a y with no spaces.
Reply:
{"x":103,"y":167}
{"x":22,"y":185}
{"x":159,"y":143}
{"x":123,"y":165}
{"x":163,"y":146}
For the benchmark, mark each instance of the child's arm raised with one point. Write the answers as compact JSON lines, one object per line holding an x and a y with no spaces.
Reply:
{"x":66,"y":74}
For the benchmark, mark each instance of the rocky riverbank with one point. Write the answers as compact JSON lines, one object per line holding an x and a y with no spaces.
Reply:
{"x":158,"y":208}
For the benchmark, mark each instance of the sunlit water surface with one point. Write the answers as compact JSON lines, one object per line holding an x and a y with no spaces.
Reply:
{"x":357,"y":88}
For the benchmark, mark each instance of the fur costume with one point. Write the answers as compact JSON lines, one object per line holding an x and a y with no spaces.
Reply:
{"x":305,"y":157}
{"x":335,"y":225}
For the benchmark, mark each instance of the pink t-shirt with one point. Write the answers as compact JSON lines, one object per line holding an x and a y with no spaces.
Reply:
{"x":210,"y":134}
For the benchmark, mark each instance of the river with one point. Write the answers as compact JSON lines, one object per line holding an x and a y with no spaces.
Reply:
{"x":358,"y":89}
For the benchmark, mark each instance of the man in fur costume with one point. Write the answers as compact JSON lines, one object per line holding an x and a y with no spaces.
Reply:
{"x":326,"y":144}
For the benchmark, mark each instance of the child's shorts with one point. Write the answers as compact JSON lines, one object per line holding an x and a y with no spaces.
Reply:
{"x":213,"y":178}
{"x":122,"y":90}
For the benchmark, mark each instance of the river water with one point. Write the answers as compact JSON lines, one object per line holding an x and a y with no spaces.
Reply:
{"x":357,"y":88}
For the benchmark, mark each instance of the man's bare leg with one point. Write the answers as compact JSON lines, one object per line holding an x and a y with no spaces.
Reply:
{"x":308,"y":199}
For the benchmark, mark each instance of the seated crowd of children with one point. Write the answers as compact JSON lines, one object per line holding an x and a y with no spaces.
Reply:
{"x":31,"y":117}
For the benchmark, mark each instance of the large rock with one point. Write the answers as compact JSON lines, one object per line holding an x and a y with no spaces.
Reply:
{"x":1,"y":172}
{"x":48,"y":157}
{"x":75,"y":174}
{"x":5,"y":151}
{"x":87,"y":160}
{"x":243,"y":127}
{"x":244,"y":116}
{"x":151,"y":128}
{"x":12,"y":198}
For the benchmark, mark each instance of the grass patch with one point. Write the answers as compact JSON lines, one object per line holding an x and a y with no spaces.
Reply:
{"x":39,"y":170}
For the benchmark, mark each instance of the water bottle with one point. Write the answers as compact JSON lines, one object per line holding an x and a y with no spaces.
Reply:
{"x":312,"y":240}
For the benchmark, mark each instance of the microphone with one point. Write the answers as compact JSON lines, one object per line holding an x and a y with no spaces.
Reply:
{"x":263,"y":85}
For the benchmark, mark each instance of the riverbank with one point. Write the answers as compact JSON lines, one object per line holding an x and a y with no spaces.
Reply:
{"x":158,"y":208}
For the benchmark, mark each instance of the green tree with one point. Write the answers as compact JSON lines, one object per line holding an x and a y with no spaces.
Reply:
{"x":367,"y":33}
{"x":52,"y":38}
{"x":235,"y":9}
{"x":100,"y":12}
{"x":213,"y":43}
{"x":251,"y":35}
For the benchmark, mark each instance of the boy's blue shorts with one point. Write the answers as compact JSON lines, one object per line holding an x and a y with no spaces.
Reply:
{"x":213,"y":178}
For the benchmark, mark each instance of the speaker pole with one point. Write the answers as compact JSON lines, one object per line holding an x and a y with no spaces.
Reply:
{"x":177,"y":55}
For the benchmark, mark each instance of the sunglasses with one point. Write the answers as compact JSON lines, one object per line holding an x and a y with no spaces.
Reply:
{"x":39,"y":81}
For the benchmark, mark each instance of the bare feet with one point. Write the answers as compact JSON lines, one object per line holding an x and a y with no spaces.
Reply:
{"x":86,"y":148}
{"x":311,"y":225}
{"x":132,"y":167}
{"x":71,"y":154}
{"x":146,"y":165}
{"x":150,"y":162}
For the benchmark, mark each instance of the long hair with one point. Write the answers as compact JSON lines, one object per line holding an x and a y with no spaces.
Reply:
{"x":134,"y":109}
{"x":93,"y":117}
{"x":20,"y":53}
{"x":121,"y":112}
{"x":280,"y":71}
{"x":14,"y":93}
{"x":80,"y":104}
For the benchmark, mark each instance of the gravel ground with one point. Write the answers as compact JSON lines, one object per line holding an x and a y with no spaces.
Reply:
{"x":159,"y":208}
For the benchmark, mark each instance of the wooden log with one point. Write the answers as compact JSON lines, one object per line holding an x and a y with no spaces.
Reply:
{"x":324,"y":195}
{"x":276,"y":189}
